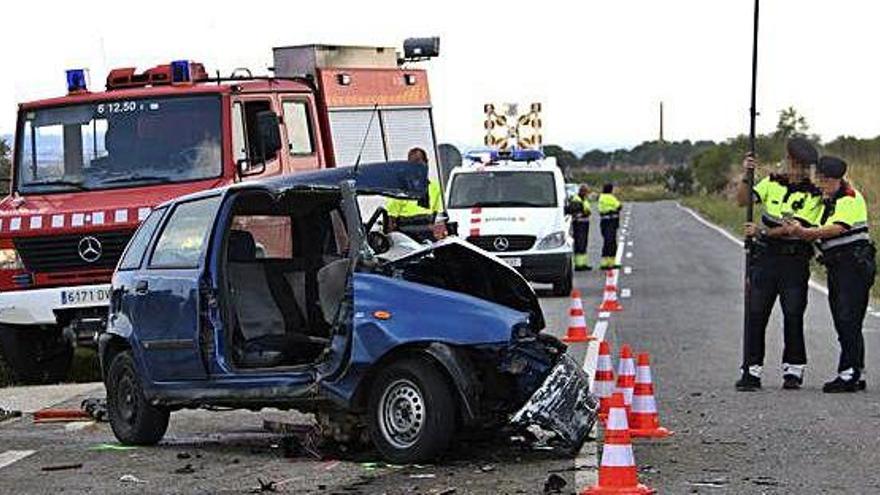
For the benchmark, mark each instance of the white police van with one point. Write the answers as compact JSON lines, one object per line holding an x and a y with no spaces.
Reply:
{"x":513,"y":206}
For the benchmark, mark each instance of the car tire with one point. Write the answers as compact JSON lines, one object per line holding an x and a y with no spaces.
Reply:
{"x":35,"y":356}
{"x":133,"y":420}
{"x":562,"y":288}
{"x":411,"y":411}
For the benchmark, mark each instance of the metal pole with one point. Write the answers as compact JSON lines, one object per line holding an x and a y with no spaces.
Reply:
{"x":750,"y":181}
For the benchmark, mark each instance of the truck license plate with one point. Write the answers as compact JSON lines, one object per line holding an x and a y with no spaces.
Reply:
{"x":514,"y":262}
{"x":80,"y":297}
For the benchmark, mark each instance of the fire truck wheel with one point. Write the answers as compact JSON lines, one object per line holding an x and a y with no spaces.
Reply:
{"x":35,"y":356}
{"x":133,"y":419}
{"x":411,"y":411}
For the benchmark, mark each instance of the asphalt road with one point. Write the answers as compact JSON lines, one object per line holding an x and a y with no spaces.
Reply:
{"x":684,"y":282}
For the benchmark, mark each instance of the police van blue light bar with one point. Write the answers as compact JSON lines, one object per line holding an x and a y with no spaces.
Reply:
{"x":517,"y":155}
{"x":77,"y":81}
{"x":180,"y":72}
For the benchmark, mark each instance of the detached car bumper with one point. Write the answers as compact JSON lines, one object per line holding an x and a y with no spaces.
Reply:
{"x":545,"y":268}
{"x":38,"y":306}
{"x":562,"y":405}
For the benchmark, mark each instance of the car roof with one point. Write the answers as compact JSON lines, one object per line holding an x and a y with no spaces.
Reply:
{"x":400,"y":179}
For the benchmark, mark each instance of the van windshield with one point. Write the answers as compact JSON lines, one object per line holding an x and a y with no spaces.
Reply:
{"x":509,"y":189}
{"x":118,"y":143}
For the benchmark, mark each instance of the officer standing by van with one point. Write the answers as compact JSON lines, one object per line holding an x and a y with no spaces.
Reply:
{"x":849,"y":258}
{"x":417,"y":218}
{"x":579,"y":208}
{"x":780,"y":264}
{"x":609,"y":221}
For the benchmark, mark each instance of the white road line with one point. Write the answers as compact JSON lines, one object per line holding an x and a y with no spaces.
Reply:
{"x":630,"y":243}
{"x":625,"y":293}
{"x":629,"y":254}
{"x":605,"y":314}
{"x":627,"y":270}
{"x":12,"y":456}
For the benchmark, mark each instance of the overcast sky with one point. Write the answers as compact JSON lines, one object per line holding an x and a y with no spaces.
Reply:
{"x":599,"y":67}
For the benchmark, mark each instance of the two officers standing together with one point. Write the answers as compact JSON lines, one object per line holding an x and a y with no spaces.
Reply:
{"x":798,"y":214}
{"x":609,"y":221}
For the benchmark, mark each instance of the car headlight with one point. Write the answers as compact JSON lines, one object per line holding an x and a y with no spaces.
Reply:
{"x":552,"y":241}
{"x":9,"y":260}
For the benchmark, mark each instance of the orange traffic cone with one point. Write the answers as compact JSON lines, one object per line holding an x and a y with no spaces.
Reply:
{"x":626,"y":376}
{"x":603,"y":382}
{"x":643,"y":417}
{"x":617,"y":471}
{"x":610,"y":280}
{"x":577,"y":323}
{"x":609,"y":298}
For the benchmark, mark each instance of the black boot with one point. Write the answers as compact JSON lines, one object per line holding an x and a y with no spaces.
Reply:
{"x":839,"y":385}
{"x":748,"y":382}
{"x":792,"y":382}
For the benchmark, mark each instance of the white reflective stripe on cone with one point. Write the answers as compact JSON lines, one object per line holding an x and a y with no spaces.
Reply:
{"x":627,"y":367}
{"x":604,"y":388}
{"x":643,"y":374}
{"x":618,"y":456}
{"x":604,"y":363}
{"x":617,"y":419}
{"x":644,"y":404}
{"x":627,"y":396}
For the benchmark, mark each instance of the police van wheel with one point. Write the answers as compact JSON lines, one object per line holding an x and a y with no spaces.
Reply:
{"x":563,"y":286}
{"x":411,"y":411}
{"x":134,"y":420}
{"x":34,"y":356}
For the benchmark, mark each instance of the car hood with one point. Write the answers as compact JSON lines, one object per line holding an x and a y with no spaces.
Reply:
{"x":458,"y":266}
{"x":398,"y":179}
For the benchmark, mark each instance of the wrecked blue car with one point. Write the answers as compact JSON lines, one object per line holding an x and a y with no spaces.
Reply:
{"x":276,"y":293}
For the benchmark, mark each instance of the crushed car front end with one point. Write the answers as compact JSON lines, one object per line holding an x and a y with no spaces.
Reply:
{"x":481,"y":322}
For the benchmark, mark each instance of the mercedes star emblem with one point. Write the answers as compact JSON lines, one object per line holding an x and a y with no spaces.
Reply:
{"x":90,"y":249}
{"x":501,"y":243}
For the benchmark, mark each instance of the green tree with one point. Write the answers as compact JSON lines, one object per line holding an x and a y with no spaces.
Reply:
{"x":791,"y":123}
{"x":566,"y":160}
{"x":712,"y":168}
{"x":595,"y":158}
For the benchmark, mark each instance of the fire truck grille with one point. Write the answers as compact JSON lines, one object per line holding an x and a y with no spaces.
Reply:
{"x":497,"y":244}
{"x":63,"y":252}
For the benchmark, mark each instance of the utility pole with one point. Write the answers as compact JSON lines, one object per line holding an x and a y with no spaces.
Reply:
{"x":661,"y":122}
{"x":662,"y":142}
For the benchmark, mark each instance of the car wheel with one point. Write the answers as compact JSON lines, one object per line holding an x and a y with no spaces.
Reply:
{"x":563,"y":287}
{"x":411,"y":411}
{"x":134,"y":420}
{"x":35,"y":356}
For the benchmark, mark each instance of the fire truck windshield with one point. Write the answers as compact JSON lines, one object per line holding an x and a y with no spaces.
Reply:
{"x":119,"y":143}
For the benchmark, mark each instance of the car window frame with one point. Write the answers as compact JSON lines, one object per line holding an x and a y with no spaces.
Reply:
{"x":164,"y":225}
{"x":148,"y":247}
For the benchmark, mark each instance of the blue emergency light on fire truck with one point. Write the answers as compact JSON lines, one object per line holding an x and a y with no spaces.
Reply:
{"x":90,"y":165}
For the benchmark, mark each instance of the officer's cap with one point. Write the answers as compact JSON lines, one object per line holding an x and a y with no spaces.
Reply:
{"x":831,"y":167}
{"x":802,"y":151}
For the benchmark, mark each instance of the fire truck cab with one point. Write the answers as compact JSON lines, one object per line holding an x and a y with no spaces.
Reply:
{"x":89,"y":166}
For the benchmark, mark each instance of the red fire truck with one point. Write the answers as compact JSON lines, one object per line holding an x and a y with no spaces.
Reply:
{"x":89,"y":166}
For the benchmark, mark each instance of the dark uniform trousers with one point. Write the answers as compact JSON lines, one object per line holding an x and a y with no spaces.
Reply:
{"x":787,"y":277}
{"x":581,"y":227}
{"x":851,"y":272}
{"x":608,"y":226}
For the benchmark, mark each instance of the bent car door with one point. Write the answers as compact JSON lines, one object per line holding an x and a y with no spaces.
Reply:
{"x":165,"y":308}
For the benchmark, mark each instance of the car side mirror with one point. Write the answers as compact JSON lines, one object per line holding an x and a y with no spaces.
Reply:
{"x":244,"y":168}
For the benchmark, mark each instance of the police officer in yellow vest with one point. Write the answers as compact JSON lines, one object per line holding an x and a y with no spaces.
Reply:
{"x":609,"y":221}
{"x":579,"y":209}
{"x":849,"y":258}
{"x":417,"y":218}
{"x":780,"y":264}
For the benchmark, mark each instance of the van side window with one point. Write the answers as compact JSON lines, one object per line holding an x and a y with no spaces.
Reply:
{"x":299,"y":128}
{"x":239,"y":144}
{"x":182,"y":241}
{"x":272,"y":234}
{"x":134,"y":253}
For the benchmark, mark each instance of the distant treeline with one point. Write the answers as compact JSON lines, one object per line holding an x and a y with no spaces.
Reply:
{"x":5,"y":167}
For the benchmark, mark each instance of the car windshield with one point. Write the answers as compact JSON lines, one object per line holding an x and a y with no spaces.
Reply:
{"x":118,"y":143}
{"x":503,"y":189}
